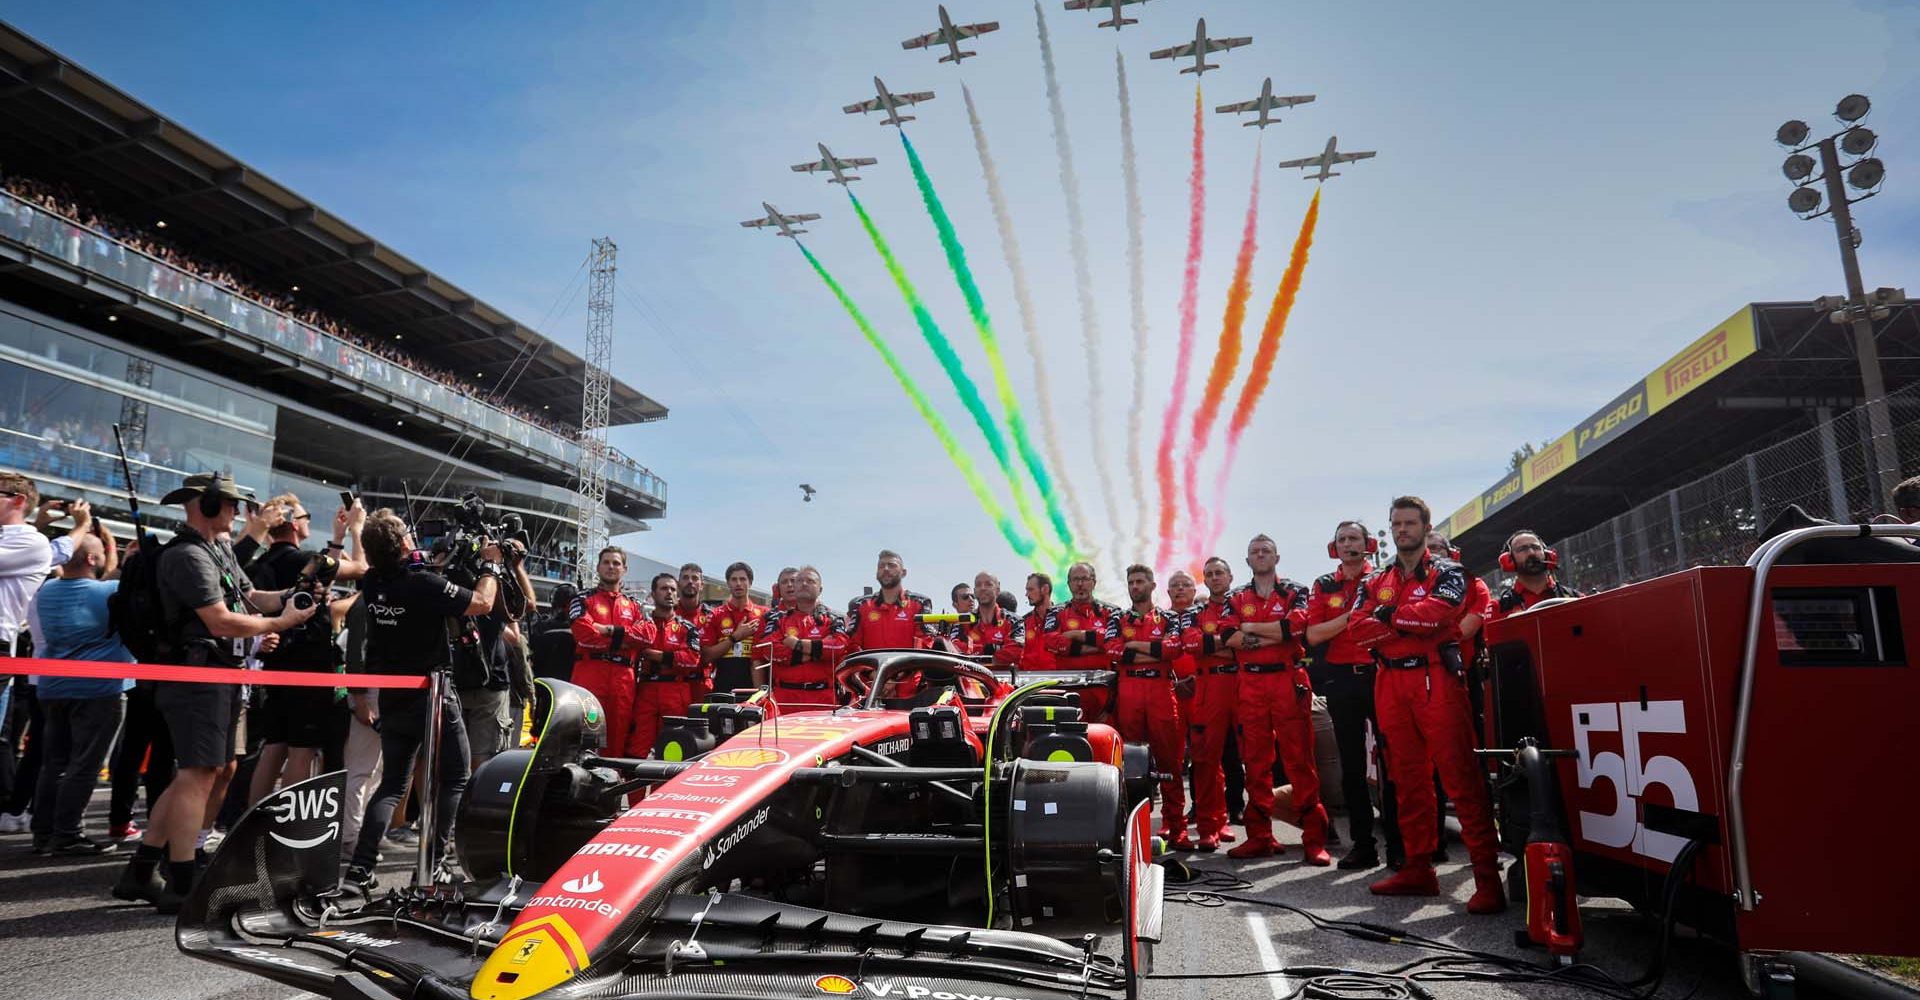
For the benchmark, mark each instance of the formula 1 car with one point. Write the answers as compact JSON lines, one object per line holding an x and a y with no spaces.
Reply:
{"x":1691,"y":744}
{"x":947,"y":835}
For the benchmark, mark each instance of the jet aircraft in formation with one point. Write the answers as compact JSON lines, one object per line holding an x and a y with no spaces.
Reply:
{"x":886,"y":100}
{"x":1199,"y":49}
{"x":839,"y":166}
{"x":1114,"y":8}
{"x":1265,"y":104}
{"x":1326,"y":160}
{"x":950,"y":35}
{"x":785,"y":223}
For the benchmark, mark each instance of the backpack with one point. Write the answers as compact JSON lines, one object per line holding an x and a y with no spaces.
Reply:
{"x":134,"y":611}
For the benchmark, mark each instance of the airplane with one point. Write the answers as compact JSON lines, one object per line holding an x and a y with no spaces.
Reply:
{"x":889,"y":102}
{"x":950,"y":35}
{"x":808,"y":491}
{"x":1264,"y":104}
{"x":838,"y":166}
{"x":784,"y":222}
{"x":1326,"y":160}
{"x":1199,"y":48}
{"x":1114,"y":8}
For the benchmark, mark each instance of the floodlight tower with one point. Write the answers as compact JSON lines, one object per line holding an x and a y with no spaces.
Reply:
{"x":1865,"y":173}
{"x":595,"y":400}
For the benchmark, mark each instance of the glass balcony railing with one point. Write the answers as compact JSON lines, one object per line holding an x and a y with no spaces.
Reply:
{"x":67,"y":240}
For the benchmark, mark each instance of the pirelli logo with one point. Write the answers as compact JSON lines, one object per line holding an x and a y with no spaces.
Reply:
{"x":1548,"y":462}
{"x":1697,"y":364}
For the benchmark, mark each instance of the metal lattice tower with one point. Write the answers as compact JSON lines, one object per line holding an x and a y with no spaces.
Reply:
{"x":596,"y":397}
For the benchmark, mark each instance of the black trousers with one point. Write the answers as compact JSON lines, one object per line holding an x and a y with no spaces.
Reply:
{"x":403,"y":726}
{"x":144,"y":730}
{"x":1350,"y":703}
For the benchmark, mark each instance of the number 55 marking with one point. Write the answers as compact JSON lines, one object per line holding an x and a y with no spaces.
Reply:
{"x":1631,"y":776}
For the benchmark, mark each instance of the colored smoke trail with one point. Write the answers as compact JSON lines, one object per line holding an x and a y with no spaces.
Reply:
{"x":1226,"y":359}
{"x":1137,"y":301}
{"x":1083,"y":284}
{"x":963,"y":384}
{"x":961,"y":460}
{"x":989,"y":342}
{"x":1261,"y":369}
{"x":1183,"y":360}
{"x":1023,"y":300}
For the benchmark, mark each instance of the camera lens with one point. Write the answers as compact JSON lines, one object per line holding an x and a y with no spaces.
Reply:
{"x":301,"y":600}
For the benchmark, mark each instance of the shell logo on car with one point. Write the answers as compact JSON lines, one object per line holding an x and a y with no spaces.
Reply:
{"x":748,"y":758}
{"x":836,"y":985}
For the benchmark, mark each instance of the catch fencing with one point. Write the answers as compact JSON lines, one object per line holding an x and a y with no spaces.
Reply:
{"x":1716,"y":520}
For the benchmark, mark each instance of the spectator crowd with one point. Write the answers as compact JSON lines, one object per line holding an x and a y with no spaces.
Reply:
{"x":65,"y":200}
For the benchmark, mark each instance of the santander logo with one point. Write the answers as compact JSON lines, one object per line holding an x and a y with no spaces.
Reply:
{"x":585,"y":884}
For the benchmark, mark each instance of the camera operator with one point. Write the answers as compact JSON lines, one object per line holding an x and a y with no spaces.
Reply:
{"x":408,"y":610}
{"x":482,"y":668}
{"x":211,"y":610}
{"x":299,"y":725}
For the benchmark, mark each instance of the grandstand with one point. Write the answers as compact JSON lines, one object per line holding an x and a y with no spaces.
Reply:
{"x":1684,"y":466}
{"x":149,"y":278}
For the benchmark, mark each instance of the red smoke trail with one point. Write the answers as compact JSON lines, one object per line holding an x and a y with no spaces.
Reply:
{"x":1261,"y":370}
{"x":1226,"y":359}
{"x":1189,"y":291}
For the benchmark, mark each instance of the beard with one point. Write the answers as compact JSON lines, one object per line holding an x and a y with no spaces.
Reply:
{"x":1534,"y":566}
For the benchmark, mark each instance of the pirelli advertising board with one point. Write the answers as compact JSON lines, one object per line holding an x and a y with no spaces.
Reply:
{"x":1700,"y":362}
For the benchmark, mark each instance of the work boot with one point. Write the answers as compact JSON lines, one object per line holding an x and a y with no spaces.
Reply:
{"x":1489,"y":895}
{"x":1256,"y":847}
{"x":1362,"y":857}
{"x":1414,"y":879}
{"x":136,"y":887}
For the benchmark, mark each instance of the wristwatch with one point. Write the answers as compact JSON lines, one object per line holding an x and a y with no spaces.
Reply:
{"x":492,"y":568}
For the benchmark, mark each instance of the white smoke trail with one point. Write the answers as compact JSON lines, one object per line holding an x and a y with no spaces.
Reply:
{"x":1136,"y":272}
{"x":1083,"y":285}
{"x":1023,"y":299}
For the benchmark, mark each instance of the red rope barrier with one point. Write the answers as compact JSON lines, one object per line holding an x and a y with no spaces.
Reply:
{"x":207,"y":675}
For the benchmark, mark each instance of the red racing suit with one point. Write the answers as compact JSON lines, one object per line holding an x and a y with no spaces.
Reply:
{"x":1001,"y":637}
{"x":668,"y":675}
{"x":697,"y":615}
{"x":873,"y":622}
{"x":1514,"y":598}
{"x":1204,"y":630}
{"x":1275,"y":713}
{"x":722,"y":619}
{"x":803,"y":675}
{"x":1405,"y":618}
{"x":1076,"y":634}
{"x":1145,"y":710}
{"x":603,"y":664}
{"x":1034,"y":654}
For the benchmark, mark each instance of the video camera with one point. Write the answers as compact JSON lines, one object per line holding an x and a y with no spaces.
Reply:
{"x":456,"y":543}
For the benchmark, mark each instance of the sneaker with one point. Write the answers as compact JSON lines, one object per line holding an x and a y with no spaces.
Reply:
{"x":1255,"y":848}
{"x":82,"y":846}
{"x":135,"y":889}
{"x":1413,"y":880}
{"x":1489,"y":895}
{"x":1182,"y":843}
{"x":1208,"y":843}
{"x":1228,"y":836}
{"x":122,"y":833}
{"x":20,"y":822}
{"x":1361,"y":858}
{"x":405,"y":836}
{"x":214,"y":840}
{"x":358,"y":878}
{"x":42,"y":845}
{"x":1316,"y":856}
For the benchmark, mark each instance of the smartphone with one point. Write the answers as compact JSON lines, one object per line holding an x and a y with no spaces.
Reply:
{"x":346,"y":499}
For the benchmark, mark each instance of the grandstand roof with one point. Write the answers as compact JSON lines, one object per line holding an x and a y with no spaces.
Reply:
{"x":62,"y":123}
{"x":1760,"y":376}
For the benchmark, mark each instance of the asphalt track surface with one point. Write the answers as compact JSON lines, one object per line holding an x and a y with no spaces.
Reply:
{"x":63,"y":937}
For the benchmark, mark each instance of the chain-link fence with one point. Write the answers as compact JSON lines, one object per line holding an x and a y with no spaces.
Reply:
{"x":1716,"y":519}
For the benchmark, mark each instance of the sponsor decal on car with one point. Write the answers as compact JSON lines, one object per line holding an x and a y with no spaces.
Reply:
{"x":642,"y":831}
{"x":891,"y":747}
{"x":269,"y":957}
{"x":585,"y":884}
{"x":355,"y":938}
{"x":732,"y":838}
{"x":607,"y":910}
{"x":303,"y":805}
{"x":710,"y":778}
{"x":843,"y":986}
{"x":716,"y":800}
{"x":642,"y":852}
{"x":646,"y":812}
{"x":745,"y":758}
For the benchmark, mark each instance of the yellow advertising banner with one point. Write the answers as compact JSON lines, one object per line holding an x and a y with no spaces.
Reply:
{"x":1703,"y":359}
{"x":1548,"y":462}
{"x":1464,"y":518}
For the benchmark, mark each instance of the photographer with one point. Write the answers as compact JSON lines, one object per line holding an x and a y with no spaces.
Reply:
{"x":482,"y":666}
{"x":211,"y":610}
{"x":298,"y":725}
{"x":408,"y":610}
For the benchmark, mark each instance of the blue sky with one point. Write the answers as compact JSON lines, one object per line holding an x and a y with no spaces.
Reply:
{"x":1565,"y":194}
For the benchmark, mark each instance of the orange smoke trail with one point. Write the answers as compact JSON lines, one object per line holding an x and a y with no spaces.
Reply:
{"x":1183,"y":358}
{"x":1226,"y":359}
{"x":1261,"y":370}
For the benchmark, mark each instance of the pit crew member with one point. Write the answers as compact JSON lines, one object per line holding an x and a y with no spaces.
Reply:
{"x":1204,"y":631}
{"x":886,"y":620}
{"x":668,"y":670}
{"x":1532,"y":564}
{"x":610,"y":631}
{"x":809,"y":641}
{"x":1143,"y":642}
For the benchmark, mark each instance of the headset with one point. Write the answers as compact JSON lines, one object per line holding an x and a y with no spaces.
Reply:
{"x":1373,"y":544}
{"x":1507,"y":562}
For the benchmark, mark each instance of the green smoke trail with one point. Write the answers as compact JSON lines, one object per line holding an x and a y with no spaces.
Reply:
{"x":989,"y":342}
{"x":963,"y":384}
{"x":961,"y":460}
